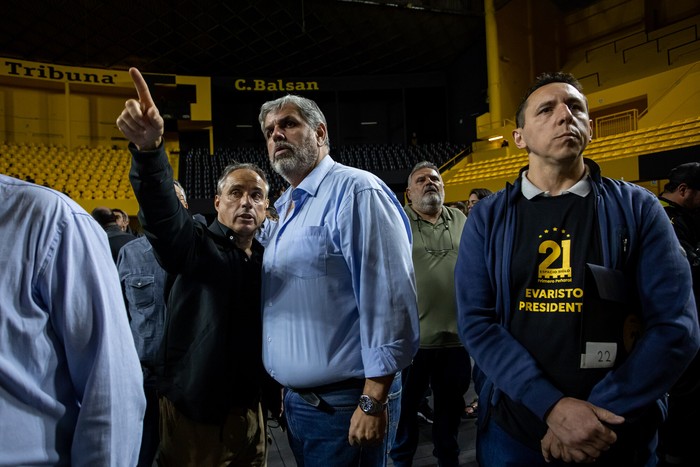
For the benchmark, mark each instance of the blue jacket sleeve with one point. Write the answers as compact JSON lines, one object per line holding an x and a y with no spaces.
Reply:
{"x":482,"y":301}
{"x":670,"y":336}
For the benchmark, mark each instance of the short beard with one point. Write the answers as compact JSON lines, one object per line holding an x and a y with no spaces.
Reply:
{"x":299,"y":164}
{"x":429,"y":203}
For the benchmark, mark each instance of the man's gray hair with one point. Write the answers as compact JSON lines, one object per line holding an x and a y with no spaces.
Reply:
{"x":241,"y":166}
{"x":308,"y":109}
{"x":423,"y":165}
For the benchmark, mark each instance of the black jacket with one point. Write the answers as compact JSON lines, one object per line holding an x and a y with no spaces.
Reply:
{"x":210,"y":358}
{"x":686,"y":224}
{"x":117,"y":239}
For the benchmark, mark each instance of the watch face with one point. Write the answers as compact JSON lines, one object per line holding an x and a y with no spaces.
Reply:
{"x":365,"y":403}
{"x":369,"y":406}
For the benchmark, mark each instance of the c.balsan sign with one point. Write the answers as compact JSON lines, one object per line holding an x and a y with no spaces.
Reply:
{"x":24,"y":69}
{"x":274,"y":85}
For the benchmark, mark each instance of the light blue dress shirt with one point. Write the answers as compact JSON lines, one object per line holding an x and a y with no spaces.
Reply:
{"x":264,"y":233}
{"x":339,"y":294}
{"x":70,"y":381}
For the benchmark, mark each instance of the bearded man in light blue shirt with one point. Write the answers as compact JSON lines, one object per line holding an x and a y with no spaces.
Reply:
{"x":340,"y":318}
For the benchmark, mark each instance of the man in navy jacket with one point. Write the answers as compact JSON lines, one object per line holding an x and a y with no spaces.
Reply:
{"x":568,"y":371}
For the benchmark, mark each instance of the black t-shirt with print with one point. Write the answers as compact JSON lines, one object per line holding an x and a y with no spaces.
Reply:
{"x":555,"y":238}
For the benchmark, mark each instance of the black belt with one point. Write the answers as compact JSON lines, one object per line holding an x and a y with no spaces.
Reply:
{"x":311,"y":395}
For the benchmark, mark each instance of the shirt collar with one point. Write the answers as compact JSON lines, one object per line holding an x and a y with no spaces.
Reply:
{"x":580,"y":188}
{"x":225,"y":231}
{"x":445,"y":215}
{"x":313,"y":180}
{"x":230,"y":235}
{"x":309,"y":185}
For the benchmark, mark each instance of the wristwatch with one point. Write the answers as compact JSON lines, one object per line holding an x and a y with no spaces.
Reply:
{"x":370,"y":405}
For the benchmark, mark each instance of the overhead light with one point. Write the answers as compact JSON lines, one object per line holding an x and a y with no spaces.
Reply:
{"x":368,"y":123}
{"x":240,"y":125}
{"x":495,"y":138}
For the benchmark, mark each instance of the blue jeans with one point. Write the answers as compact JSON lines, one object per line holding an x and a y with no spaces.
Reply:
{"x":318,"y":437}
{"x":447,"y":371}
{"x":495,"y":447}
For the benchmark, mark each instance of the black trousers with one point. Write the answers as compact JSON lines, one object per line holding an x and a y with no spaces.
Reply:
{"x":447,"y":371}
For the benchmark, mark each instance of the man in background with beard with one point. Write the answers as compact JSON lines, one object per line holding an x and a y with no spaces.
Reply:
{"x":339,"y":296}
{"x":442,"y":363}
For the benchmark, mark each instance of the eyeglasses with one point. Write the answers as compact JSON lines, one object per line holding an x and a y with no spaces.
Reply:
{"x":437,"y":244}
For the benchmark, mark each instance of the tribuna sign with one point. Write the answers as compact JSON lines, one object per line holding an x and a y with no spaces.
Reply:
{"x":56,"y":73}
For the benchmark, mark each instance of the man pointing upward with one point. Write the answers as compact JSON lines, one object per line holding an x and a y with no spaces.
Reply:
{"x":210,"y":363}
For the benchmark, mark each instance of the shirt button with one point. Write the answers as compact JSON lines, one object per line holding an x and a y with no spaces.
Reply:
{"x":138,"y":284}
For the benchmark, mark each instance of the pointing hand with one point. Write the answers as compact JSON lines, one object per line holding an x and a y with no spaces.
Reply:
{"x":140,"y":120}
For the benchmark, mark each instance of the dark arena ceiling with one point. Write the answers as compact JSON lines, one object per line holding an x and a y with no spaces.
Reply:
{"x":267,"y":38}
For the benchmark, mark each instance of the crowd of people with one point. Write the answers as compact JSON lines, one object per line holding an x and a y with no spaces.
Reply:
{"x":338,"y":309}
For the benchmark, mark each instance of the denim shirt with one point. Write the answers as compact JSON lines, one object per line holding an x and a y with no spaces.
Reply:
{"x":143,"y":283}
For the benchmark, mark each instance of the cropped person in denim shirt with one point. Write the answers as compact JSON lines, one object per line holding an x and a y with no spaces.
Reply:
{"x":143,"y":282}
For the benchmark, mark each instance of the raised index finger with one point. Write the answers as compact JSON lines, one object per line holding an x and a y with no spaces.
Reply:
{"x":141,"y":88}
